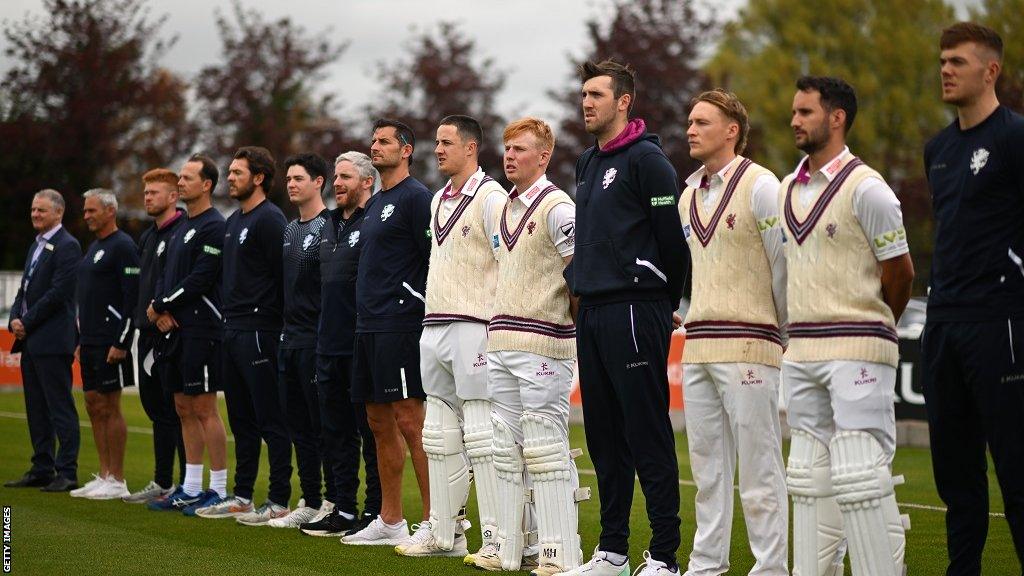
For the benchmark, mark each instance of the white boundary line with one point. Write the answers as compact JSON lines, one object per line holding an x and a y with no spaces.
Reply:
{"x":911,"y":505}
{"x":583,"y":471}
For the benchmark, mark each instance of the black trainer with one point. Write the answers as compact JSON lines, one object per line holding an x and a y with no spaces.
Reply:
{"x":363,"y":521}
{"x":334,"y":524}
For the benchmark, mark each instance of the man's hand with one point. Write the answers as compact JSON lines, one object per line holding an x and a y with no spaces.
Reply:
{"x":116,"y":355}
{"x":151,"y":313}
{"x":165,"y":322}
{"x":18,"y":328}
{"x":78,"y":350}
{"x":677,"y":320}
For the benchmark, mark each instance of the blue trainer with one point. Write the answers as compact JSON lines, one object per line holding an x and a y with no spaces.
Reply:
{"x":164,"y":504}
{"x":208,"y":498}
{"x":177,"y":502}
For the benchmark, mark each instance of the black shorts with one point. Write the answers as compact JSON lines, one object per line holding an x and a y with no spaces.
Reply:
{"x":386,"y":367}
{"x":99,"y":376}
{"x":189,"y":365}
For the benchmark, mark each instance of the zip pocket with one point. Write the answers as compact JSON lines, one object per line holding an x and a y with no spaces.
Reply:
{"x":632,"y":329}
{"x":1009,"y":330}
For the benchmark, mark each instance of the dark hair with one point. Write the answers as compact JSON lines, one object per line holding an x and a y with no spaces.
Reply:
{"x":622,"y":75}
{"x":835,"y":93}
{"x":260,"y":162}
{"x":405,"y":134}
{"x":962,"y":32}
{"x":209,"y":169}
{"x":467,"y":127}
{"x":314,"y":165}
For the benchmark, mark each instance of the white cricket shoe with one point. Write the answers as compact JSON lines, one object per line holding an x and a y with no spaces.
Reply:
{"x":652,"y":567}
{"x":422,"y":543}
{"x":600,"y":565}
{"x":110,"y":490}
{"x":89,"y":486}
{"x":377,"y":533}
{"x":488,"y":549}
{"x":300,"y":515}
{"x":491,"y":562}
{"x":151,"y":492}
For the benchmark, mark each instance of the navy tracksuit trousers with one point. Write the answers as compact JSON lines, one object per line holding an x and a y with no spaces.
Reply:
{"x":623,"y":367}
{"x":255,"y":412}
{"x":974,"y":394}
{"x":158,"y":402}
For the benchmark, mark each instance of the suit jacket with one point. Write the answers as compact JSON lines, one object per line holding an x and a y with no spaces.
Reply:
{"x":49,"y":296}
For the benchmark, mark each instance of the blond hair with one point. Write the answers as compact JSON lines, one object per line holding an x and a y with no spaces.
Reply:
{"x":733,"y":109}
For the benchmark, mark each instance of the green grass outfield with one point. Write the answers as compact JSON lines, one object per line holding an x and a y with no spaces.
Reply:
{"x":56,"y":535}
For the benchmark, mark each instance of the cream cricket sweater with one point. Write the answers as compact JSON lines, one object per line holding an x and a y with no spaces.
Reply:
{"x":836,"y":310}
{"x":732,"y":314}
{"x":463,"y":272}
{"x":531,"y":310}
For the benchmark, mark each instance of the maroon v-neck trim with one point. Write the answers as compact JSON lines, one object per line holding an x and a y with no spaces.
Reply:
{"x":704,"y":233}
{"x":801,"y":230}
{"x":511,"y":238}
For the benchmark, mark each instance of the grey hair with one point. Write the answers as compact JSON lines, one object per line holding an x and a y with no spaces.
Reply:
{"x":53,"y":196}
{"x":106,"y":197}
{"x":363,"y":165}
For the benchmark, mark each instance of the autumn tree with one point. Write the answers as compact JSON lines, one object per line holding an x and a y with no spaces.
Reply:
{"x":441,"y":74}
{"x":85,"y":104}
{"x":1007,"y":18}
{"x":663,"y":41}
{"x":263,"y":90}
{"x":888,"y":51}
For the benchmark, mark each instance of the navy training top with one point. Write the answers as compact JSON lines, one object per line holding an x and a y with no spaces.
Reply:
{"x":392,"y":279}
{"x":976,"y":177}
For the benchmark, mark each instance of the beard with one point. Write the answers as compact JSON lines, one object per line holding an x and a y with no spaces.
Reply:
{"x":598,"y":125}
{"x":815,"y":140}
{"x":242,"y":193}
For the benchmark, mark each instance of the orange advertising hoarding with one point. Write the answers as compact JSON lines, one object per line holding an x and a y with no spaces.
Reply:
{"x":10,"y":364}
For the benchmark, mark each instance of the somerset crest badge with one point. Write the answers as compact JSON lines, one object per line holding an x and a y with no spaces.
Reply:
{"x":978,"y":160}
{"x":609,"y":177}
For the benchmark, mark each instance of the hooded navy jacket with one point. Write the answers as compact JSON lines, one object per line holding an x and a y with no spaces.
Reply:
{"x":629,"y":240}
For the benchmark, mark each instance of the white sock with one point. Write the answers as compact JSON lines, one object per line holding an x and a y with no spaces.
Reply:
{"x":395,"y":525}
{"x":617,"y":559}
{"x":219,"y":482}
{"x":193,"y":479}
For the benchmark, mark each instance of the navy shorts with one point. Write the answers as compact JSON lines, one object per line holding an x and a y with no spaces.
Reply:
{"x":189,"y":365}
{"x":99,"y":376}
{"x":386,"y":367}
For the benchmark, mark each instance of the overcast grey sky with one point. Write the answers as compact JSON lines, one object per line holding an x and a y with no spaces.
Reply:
{"x":528,"y":38}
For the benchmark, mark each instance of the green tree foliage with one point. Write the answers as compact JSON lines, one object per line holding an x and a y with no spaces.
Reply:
{"x":263,"y":90}
{"x":887,"y":50}
{"x":663,"y":41}
{"x":84,"y":105}
{"x":441,"y":74}
{"x":1007,"y":18}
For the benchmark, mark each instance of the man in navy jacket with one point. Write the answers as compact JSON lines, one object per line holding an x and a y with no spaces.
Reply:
{"x":43,"y":323}
{"x":628,"y":270}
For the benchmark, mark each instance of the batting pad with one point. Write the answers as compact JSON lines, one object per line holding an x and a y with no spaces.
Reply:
{"x":556,"y":490}
{"x":866,"y":496}
{"x":478,"y":439}
{"x":448,"y":469}
{"x":818,"y":544}
{"x":509,"y":472}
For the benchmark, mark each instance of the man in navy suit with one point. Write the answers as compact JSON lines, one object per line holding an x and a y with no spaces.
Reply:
{"x":43,"y":323}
